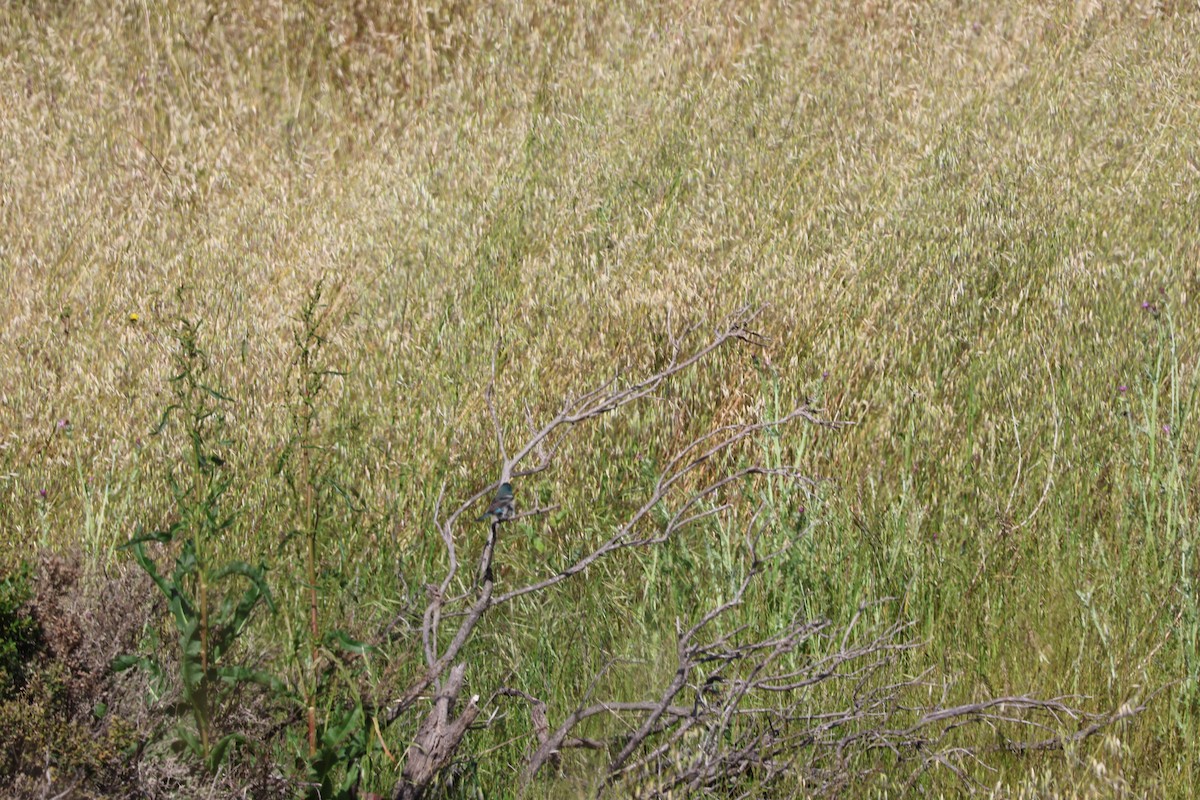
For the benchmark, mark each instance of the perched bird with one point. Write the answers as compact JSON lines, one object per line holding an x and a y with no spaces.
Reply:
{"x":502,"y":507}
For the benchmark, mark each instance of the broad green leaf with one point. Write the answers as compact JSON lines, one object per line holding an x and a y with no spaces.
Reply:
{"x":337,"y":730}
{"x":152,"y":536}
{"x":126,"y":661}
{"x":257,"y":577}
{"x":341,"y":640}
{"x":151,"y":569}
{"x":188,"y":740}
{"x":215,"y":393}
{"x":217,"y":754}
{"x":238,"y":674}
{"x":351,"y":501}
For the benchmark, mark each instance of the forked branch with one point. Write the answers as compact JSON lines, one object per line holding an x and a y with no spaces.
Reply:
{"x":825,"y":705}
{"x":538,"y":452}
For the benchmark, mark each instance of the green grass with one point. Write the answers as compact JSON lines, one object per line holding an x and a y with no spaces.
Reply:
{"x":955,"y":215}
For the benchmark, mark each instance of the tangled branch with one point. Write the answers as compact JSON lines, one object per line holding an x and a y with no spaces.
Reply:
{"x":823,"y":703}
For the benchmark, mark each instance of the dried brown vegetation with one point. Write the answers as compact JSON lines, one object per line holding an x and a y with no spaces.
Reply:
{"x":72,"y":725}
{"x":974,"y":226}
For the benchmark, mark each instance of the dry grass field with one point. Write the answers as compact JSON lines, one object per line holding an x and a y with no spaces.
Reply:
{"x":971,"y":230}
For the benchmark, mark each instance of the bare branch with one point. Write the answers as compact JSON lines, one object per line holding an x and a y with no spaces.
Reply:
{"x":437,"y":739}
{"x":546,"y":440}
{"x":823,"y":703}
{"x":673,"y":474}
{"x":724,"y":736}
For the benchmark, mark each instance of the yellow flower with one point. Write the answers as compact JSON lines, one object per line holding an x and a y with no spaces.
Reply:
{"x":133,"y":318}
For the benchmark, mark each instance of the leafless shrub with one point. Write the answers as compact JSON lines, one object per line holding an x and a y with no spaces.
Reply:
{"x":812,"y":700}
{"x":440,"y":736}
{"x":817,"y":703}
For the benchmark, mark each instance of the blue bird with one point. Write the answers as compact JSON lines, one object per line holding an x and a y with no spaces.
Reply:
{"x":502,"y":507}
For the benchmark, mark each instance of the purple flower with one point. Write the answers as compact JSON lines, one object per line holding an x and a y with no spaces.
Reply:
{"x":1122,"y":388}
{"x":825,"y":374}
{"x":1167,"y":429}
{"x":801,"y":509}
{"x":1145,"y":305}
{"x":64,"y":423}
{"x":42,"y":493}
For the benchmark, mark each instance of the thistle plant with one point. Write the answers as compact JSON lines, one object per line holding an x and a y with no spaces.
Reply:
{"x":338,"y":738}
{"x":308,"y":379}
{"x":210,"y":603}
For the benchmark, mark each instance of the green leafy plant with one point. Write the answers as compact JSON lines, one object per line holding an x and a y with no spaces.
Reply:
{"x":20,"y":636}
{"x":210,"y":603}
{"x":337,"y":739}
{"x":308,"y":381}
{"x":333,"y":768}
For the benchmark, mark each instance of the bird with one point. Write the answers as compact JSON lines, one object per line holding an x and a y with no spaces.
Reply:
{"x":502,"y":507}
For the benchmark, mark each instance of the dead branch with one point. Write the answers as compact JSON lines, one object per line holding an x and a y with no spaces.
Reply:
{"x":830,"y":714}
{"x":822,"y":703}
{"x":545,"y":442}
{"x":437,"y":739}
